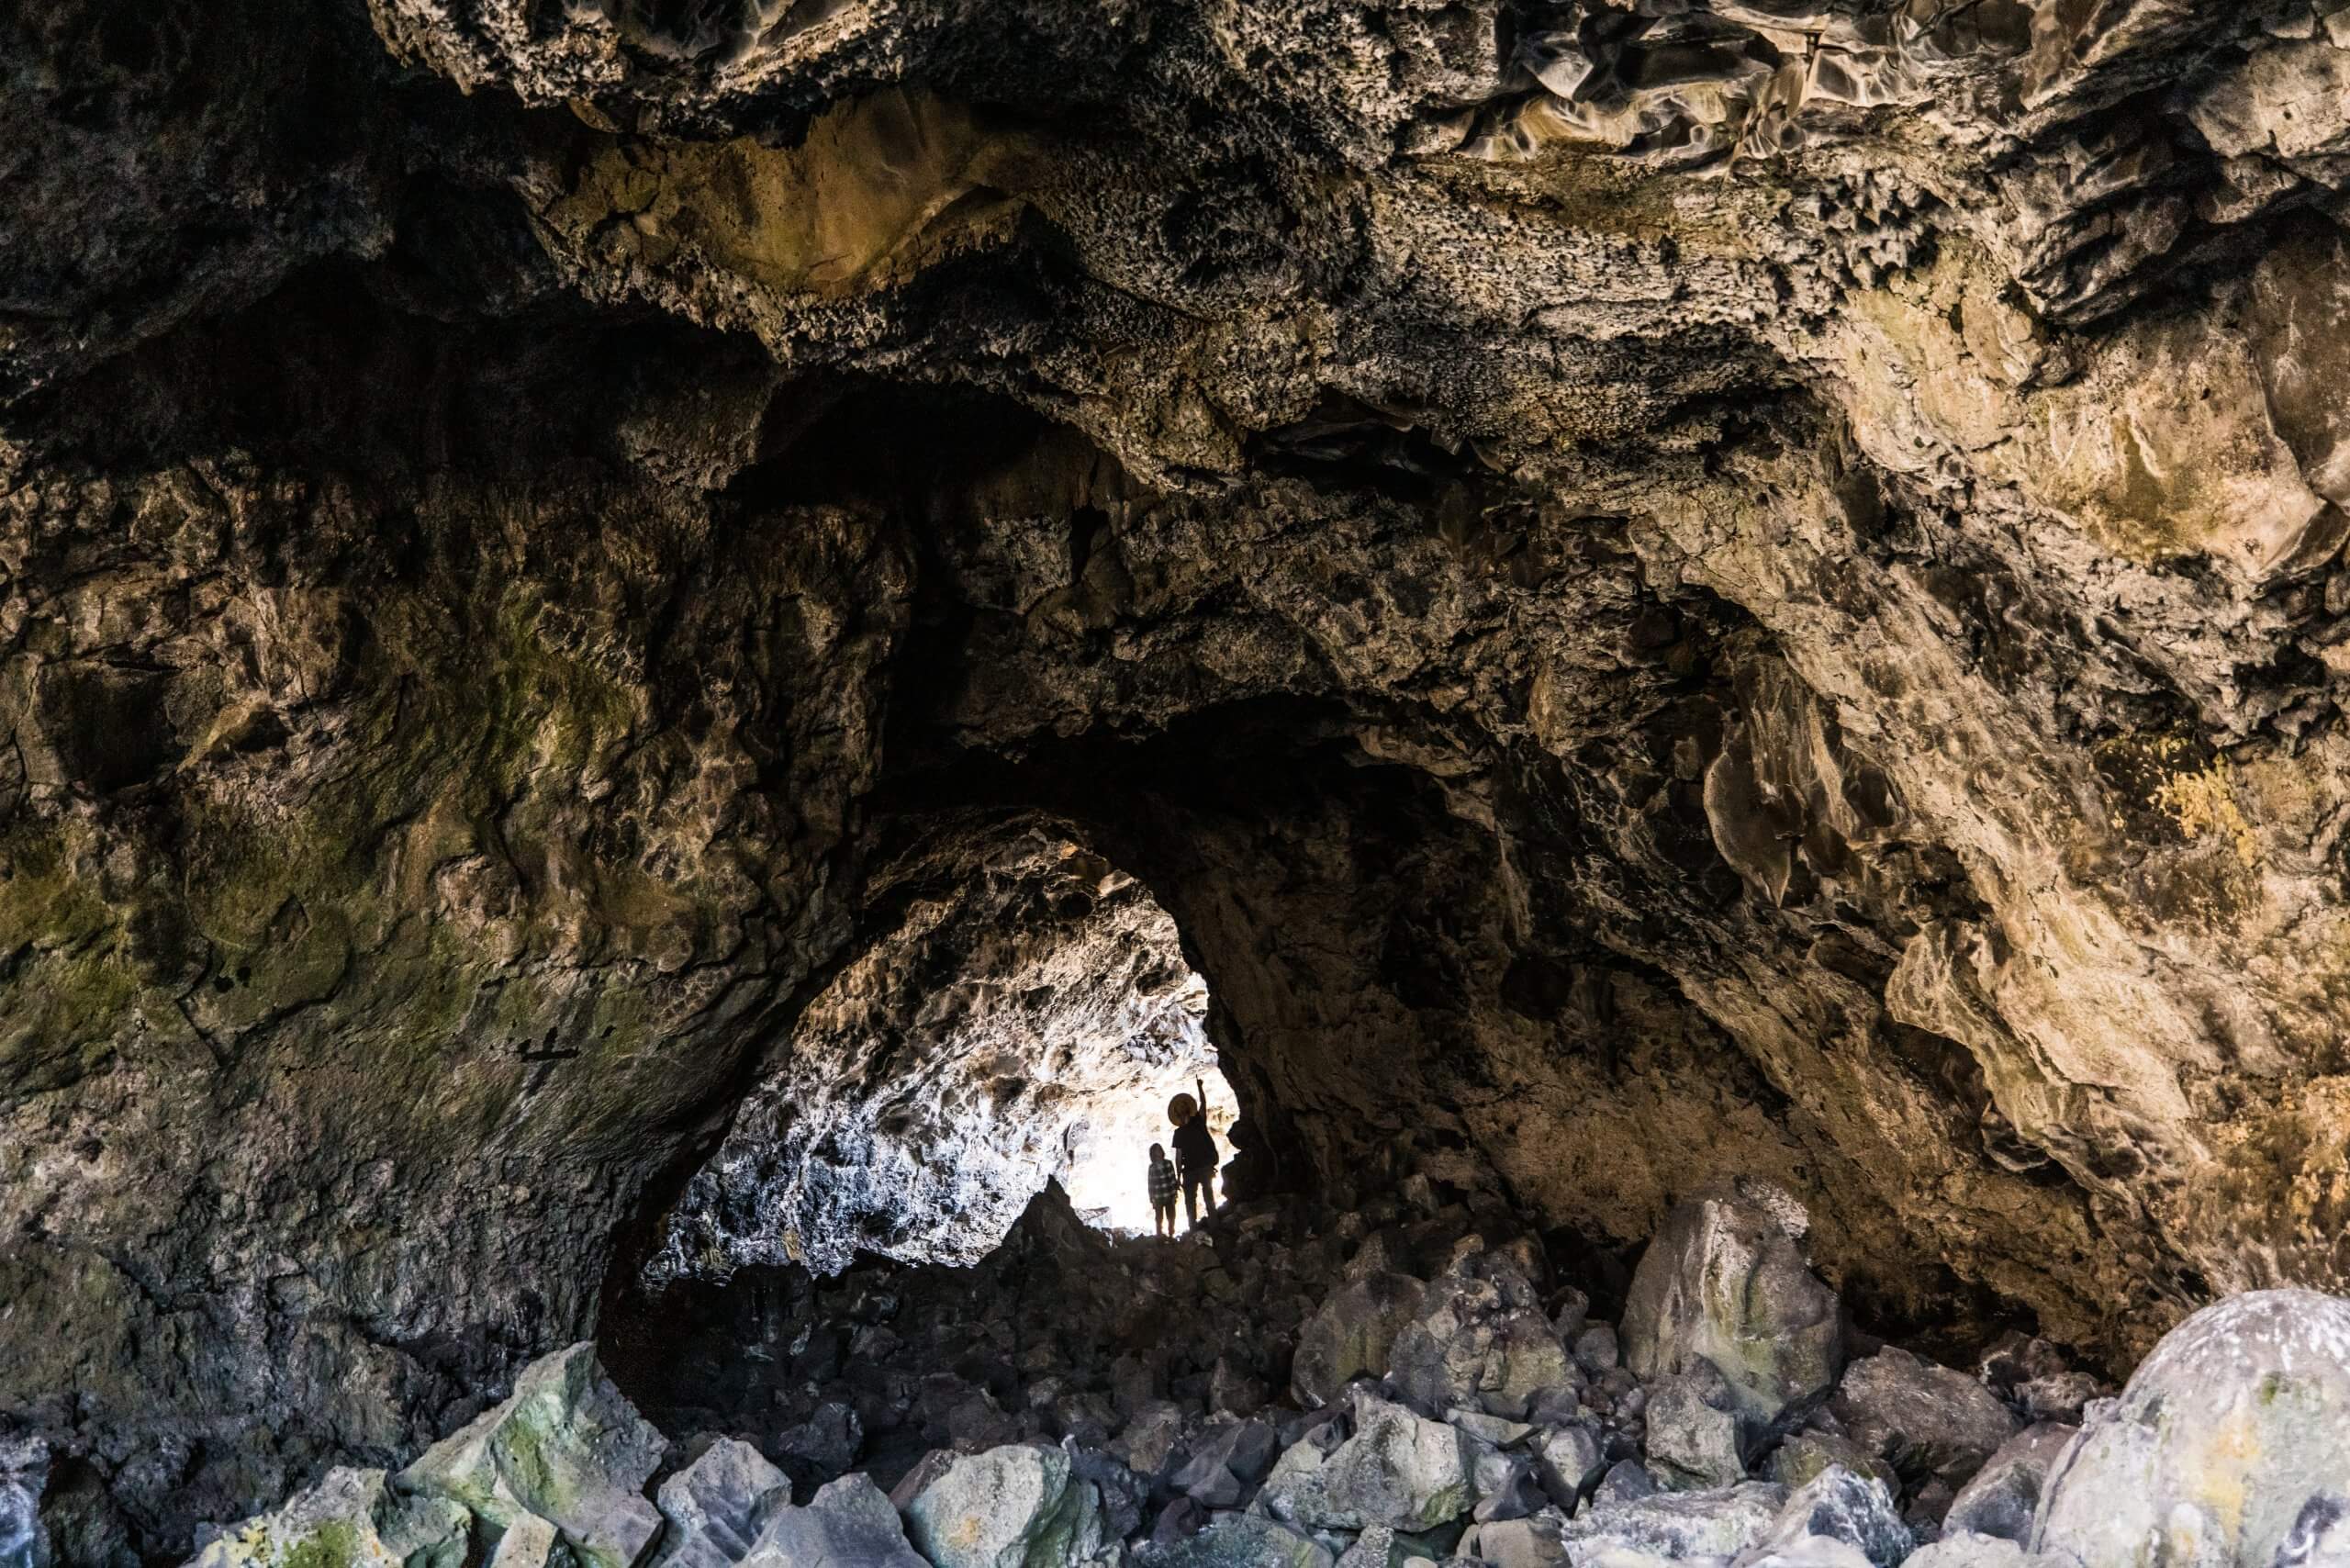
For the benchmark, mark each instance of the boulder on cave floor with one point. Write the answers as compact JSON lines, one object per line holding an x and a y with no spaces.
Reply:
{"x":1479,"y":1340}
{"x":1721,"y":1522}
{"x":1806,"y":1453}
{"x":1227,"y":1461}
{"x":2038,"y":1379}
{"x":1838,"y":1505}
{"x":2235,"y":1424}
{"x":351,"y":1517}
{"x":1692,"y":1439}
{"x":1352,"y":1334}
{"x":24,"y":1473}
{"x":1569,"y":1461}
{"x":1965,"y":1550}
{"x":1021,"y":1506}
{"x":1531,"y":1542}
{"x":565,"y":1447}
{"x":1925,"y":1420}
{"x":850,"y":1521}
{"x":2003,"y":1497}
{"x":715,"y":1505}
{"x":1241,"y":1540}
{"x":1398,"y":1470}
{"x":1725,"y":1282}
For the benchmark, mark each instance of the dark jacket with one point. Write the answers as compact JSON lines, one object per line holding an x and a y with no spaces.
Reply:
{"x":1195,"y":1145}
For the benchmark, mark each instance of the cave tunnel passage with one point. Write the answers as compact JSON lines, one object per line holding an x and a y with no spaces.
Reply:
{"x":1021,"y":1012}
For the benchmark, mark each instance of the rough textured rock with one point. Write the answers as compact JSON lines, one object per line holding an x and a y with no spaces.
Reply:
{"x":1657,"y":593}
{"x":1725,"y":1283}
{"x":849,"y":1520}
{"x":1397,"y":1469}
{"x":1693,"y":1438}
{"x":352,"y":1516}
{"x":2320,"y":1537}
{"x":1017,"y":1506}
{"x":2221,"y":1439}
{"x":1244,"y":1540}
{"x":1839,"y":1506}
{"x":566,"y":1448}
{"x":714,"y":1508}
{"x":1353,"y":1333}
{"x":1965,"y":1551}
{"x":24,"y":1475}
{"x":1807,"y":1454}
{"x":2003,"y":1497}
{"x":1717,"y":1523}
{"x":1480,"y":1341}
{"x":1921,"y":1418}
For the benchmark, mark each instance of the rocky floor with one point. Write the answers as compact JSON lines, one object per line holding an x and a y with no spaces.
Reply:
{"x":1412,"y":1380}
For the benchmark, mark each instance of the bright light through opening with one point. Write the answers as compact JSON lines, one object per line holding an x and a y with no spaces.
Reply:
{"x":1108,"y":1177}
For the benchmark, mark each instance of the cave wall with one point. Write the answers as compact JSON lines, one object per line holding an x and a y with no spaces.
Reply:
{"x":1748,"y":590}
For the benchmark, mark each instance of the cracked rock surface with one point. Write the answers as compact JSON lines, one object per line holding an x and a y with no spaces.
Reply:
{"x":1653,"y":594}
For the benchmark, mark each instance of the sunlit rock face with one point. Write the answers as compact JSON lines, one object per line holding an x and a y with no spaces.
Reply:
{"x":1658,"y":593}
{"x":1027,"y":1017}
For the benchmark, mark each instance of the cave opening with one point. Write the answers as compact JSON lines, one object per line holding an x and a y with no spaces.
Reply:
{"x":998,"y":1051}
{"x":1021,"y":1012}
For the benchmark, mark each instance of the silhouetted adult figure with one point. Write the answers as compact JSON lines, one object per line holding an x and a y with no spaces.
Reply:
{"x":1195,"y":1161}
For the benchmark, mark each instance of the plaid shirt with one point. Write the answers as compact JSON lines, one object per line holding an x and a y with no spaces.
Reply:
{"x":1162,"y":1183}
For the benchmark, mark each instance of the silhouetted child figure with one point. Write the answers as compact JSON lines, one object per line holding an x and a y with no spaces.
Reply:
{"x":1162,"y":1193}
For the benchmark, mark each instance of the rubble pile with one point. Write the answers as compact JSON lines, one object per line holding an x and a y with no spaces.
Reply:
{"x":1412,"y":1380}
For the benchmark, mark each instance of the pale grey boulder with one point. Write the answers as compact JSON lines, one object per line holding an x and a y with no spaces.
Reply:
{"x":1724,"y":1282}
{"x":1506,"y":1486}
{"x":565,"y":1447}
{"x":1838,"y":1505}
{"x":1569,"y":1461}
{"x":1693,"y":1430}
{"x":2224,"y":1435}
{"x":1479,"y":1340}
{"x":849,"y":1521}
{"x":24,"y":1473}
{"x":1804,"y":1552}
{"x":1966,"y":1549}
{"x":351,"y":1516}
{"x":2004,"y":1496}
{"x":1923,"y":1420}
{"x":1530,"y":1542}
{"x":1375,"y":1548}
{"x":715,"y":1505}
{"x":1353,"y":1335}
{"x":530,"y":1542}
{"x":1020,"y":1505}
{"x":1397,"y":1469}
{"x":1676,"y":1525}
{"x":1242,"y":1540}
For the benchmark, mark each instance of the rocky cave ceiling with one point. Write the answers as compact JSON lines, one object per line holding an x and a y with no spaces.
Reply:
{"x":1657,"y":590}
